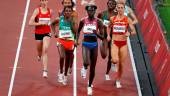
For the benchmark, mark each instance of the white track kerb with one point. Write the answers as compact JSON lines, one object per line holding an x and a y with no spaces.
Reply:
{"x":18,"y":49}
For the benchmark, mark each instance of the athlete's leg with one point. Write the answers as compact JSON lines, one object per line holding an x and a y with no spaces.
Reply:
{"x":71,"y":62}
{"x":86,"y":60}
{"x":68,"y":60}
{"x":123,"y":56}
{"x":93,"y":59}
{"x":86,"y":56}
{"x":61,"y":52}
{"x":39,"y":44}
{"x":114,"y":54}
{"x":46,"y":43}
{"x":109,"y":58}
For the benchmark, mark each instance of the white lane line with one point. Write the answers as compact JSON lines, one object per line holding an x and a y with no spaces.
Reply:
{"x":134,"y":68}
{"x":75,"y":74}
{"x":18,"y":49}
{"x":75,"y":67}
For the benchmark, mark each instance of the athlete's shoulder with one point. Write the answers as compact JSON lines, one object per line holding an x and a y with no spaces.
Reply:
{"x":75,"y":13}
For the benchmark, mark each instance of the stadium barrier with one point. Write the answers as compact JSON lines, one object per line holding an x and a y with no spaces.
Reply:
{"x":156,"y":45}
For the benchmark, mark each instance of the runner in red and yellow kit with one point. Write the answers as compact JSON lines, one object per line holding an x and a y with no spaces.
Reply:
{"x":119,"y":25}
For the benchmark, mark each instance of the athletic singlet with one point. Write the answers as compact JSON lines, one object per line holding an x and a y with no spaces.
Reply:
{"x":65,"y":31}
{"x":120,"y":26}
{"x":43,"y":18}
{"x":89,"y":26}
{"x":105,"y":18}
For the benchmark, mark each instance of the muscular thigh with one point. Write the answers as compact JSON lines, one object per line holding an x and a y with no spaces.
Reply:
{"x":61,"y":51}
{"x":114,"y":53}
{"x":123,"y":53}
{"x":86,"y":54}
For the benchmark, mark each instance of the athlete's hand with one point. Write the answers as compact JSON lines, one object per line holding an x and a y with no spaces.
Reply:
{"x":94,"y":31}
{"x":127,"y":34}
{"x":55,"y":35}
{"x":76,"y":43}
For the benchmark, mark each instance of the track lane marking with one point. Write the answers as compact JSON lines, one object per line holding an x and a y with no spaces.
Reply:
{"x":134,"y":67}
{"x":18,"y":49}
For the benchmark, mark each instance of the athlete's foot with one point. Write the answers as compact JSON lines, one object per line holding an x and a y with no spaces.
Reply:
{"x":107,"y":77}
{"x":45,"y":73}
{"x":83,"y":72}
{"x":89,"y":91}
{"x":118,"y":84}
{"x":65,"y":80}
{"x":60,"y":77}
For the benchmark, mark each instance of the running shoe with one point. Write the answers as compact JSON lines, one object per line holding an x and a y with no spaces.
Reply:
{"x":45,"y":73}
{"x":118,"y":84}
{"x":83,"y":72}
{"x":89,"y":91}
{"x":65,"y":80}
{"x":60,"y":77}
{"x":107,"y":77}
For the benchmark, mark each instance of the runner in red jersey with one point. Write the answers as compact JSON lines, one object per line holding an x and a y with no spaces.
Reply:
{"x":40,"y":19}
{"x":119,"y":25}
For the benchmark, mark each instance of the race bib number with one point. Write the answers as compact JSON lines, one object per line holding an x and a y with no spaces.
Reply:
{"x":120,"y":29}
{"x":106,"y":23}
{"x":44,"y":20}
{"x":64,"y":33}
{"x":89,"y":28}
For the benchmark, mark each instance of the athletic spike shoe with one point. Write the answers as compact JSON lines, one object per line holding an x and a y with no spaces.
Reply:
{"x":107,"y":77}
{"x":89,"y":91}
{"x":83,"y":72}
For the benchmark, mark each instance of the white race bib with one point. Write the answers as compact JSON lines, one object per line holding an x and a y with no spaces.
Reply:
{"x":89,"y":28}
{"x":120,"y":29}
{"x":106,"y":23}
{"x":44,"y":20}
{"x":65,"y":33}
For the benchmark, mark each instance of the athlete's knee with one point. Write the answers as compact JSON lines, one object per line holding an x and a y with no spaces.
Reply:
{"x":115,"y":60}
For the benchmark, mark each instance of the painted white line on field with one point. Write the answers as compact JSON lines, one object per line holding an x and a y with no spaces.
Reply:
{"x":134,"y":68}
{"x":18,"y":49}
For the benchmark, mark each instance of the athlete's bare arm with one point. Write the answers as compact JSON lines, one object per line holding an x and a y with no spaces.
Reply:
{"x":53,"y":26}
{"x":32,"y":19}
{"x":133,"y":31}
{"x":109,"y":28}
{"x":131,"y":13}
{"x":100,"y":33}
{"x":81,"y":24}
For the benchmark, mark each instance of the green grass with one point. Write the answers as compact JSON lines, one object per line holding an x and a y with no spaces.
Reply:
{"x":165,"y":16}
{"x":167,"y":1}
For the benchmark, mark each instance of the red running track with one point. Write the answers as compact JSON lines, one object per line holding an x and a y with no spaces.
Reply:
{"x":28,"y":78}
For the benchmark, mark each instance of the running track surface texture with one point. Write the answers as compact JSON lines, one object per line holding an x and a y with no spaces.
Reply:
{"x":28,"y":79}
